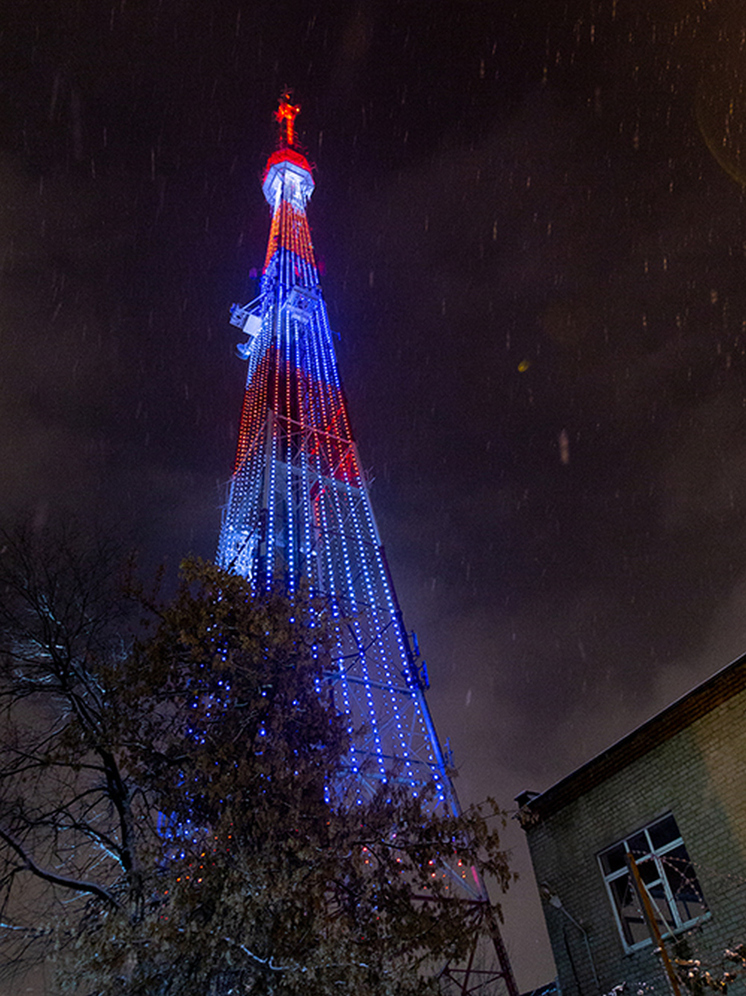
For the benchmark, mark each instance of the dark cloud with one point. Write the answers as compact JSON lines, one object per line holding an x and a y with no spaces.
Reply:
{"x":531,"y":228}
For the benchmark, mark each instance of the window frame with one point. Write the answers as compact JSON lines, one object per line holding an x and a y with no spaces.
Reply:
{"x":656,"y":854}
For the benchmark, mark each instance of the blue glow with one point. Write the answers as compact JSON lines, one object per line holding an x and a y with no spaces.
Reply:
{"x":298,"y":506}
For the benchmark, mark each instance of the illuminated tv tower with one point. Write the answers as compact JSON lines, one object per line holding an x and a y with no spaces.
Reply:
{"x":298,"y":508}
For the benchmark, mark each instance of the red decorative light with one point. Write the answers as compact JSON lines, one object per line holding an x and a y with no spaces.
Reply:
{"x":285,"y":116}
{"x":290,"y":231}
{"x":286,"y":155}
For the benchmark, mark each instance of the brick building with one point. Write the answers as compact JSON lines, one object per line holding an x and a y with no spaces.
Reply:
{"x":673,"y":793}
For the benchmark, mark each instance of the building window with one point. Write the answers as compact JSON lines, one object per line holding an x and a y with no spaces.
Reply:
{"x":668,"y":875}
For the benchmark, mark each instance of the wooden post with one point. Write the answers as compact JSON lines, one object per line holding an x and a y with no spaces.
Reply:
{"x":650,"y":919}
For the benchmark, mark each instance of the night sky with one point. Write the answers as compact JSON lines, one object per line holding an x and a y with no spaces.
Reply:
{"x":534,"y":236}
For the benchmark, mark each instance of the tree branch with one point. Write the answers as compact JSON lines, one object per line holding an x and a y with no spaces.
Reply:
{"x":50,"y":876}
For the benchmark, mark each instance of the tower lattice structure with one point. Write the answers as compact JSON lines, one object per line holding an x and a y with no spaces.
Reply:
{"x":298,"y":510}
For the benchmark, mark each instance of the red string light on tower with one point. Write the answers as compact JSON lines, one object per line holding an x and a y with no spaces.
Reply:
{"x":285,"y":116}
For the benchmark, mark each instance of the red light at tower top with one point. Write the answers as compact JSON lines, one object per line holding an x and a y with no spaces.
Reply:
{"x":287,"y":175}
{"x":285,"y":116}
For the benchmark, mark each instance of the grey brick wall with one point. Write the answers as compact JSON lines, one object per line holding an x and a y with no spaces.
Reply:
{"x":698,"y":774}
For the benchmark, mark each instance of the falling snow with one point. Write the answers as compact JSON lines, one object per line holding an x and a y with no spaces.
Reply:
{"x":532,"y":221}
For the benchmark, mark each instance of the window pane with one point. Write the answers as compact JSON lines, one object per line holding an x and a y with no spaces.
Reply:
{"x":630,"y":915}
{"x":613,"y":859}
{"x":683,"y":883}
{"x":649,"y":871}
{"x":638,"y":844}
{"x":663,"y":832}
{"x":663,"y":912}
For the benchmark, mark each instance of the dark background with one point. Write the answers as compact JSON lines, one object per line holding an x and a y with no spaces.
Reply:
{"x":532,"y":224}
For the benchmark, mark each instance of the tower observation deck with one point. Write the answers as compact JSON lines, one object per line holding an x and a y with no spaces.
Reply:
{"x":298,"y":510}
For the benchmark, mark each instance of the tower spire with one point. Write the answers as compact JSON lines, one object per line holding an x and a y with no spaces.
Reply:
{"x":285,"y":116}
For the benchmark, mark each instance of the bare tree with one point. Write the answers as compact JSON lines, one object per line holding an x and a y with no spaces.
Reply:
{"x":61,"y":607}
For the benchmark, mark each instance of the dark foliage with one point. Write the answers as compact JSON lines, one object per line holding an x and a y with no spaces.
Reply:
{"x":179,"y":799}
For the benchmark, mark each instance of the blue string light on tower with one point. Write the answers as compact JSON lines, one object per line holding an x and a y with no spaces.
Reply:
{"x":298,"y":505}
{"x":298,"y":508}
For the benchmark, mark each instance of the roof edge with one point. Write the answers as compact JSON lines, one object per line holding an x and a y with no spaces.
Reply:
{"x":682,"y":712}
